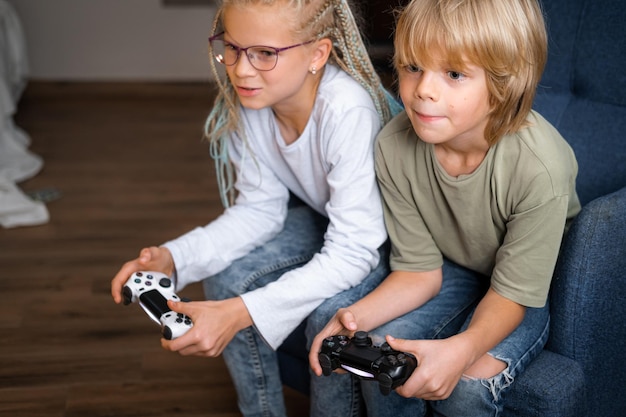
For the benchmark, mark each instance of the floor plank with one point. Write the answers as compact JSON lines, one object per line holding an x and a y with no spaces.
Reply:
{"x":132,"y":170}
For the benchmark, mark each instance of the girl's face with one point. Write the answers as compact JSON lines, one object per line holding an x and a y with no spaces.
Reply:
{"x":266,"y":25}
{"x":446,"y":106}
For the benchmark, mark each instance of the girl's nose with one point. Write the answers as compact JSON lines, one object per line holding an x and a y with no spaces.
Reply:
{"x":243,"y":67}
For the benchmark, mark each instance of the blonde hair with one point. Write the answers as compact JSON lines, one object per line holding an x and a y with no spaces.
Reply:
{"x":506,"y":38}
{"x":317,"y":19}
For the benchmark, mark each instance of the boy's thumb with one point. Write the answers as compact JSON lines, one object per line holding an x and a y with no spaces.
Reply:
{"x":396,"y":344}
{"x":349,"y":321}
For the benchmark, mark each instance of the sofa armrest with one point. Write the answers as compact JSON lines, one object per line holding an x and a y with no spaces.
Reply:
{"x":587,"y":307}
{"x":551,"y":386}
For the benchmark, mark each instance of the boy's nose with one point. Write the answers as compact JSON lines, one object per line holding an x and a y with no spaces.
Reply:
{"x":426,"y":88}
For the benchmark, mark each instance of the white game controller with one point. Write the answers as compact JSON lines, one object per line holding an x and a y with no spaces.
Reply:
{"x":152,"y":290}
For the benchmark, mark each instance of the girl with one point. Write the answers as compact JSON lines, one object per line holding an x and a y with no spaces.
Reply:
{"x":292,"y":132}
{"x":478,"y":190}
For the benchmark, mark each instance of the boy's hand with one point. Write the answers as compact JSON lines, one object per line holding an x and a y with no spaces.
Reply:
{"x":343,"y":322}
{"x":440,"y":366}
{"x":215,"y":323}
{"x":150,"y":259}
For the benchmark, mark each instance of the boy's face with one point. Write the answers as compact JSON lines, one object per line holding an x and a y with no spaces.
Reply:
{"x":445,"y":105}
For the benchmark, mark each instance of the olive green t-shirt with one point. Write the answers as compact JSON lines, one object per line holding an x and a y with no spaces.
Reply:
{"x":505,"y":220}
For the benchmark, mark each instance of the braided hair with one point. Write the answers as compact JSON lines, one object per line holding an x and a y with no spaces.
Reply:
{"x":318,"y":19}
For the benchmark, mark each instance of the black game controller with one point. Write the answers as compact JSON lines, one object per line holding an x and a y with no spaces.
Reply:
{"x":357,"y":355}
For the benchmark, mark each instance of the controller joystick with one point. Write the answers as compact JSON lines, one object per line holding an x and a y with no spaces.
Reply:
{"x":358,"y":356}
{"x":152,"y":290}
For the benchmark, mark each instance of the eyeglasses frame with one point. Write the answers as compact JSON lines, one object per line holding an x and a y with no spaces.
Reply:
{"x":245,"y":50}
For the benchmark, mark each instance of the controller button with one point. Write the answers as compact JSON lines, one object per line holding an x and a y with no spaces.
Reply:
{"x":148,"y":284}
{"x":165,"y":282}
{"x":167,"y":333}
{"x":385,"y":383}
{"x":361,"y":339}
{"x":139,"y":274}
{"x":127,"y":293}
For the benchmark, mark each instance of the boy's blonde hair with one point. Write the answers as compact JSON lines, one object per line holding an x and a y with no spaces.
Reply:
{"x":507,"y":38}
{"x":315,"y":19}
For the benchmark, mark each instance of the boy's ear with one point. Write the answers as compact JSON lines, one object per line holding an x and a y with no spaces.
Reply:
{"x":323,"y":48}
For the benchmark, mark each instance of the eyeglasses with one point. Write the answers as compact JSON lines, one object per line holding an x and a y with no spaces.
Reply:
{"x":262,"y":58}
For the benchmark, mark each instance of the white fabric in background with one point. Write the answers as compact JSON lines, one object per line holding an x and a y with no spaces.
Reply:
{"x":17,"y":163}
{"x":16,"y":209}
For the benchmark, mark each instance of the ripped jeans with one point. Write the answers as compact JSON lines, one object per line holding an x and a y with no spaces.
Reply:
{"x":252,"y":364}
{"x":443,"y":316}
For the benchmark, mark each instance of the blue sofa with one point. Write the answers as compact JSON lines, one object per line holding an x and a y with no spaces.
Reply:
{"x":582,"y":370}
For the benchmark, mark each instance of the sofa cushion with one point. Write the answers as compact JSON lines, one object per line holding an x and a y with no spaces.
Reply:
{"x":583,"y":89}
{"x":597,"y":133}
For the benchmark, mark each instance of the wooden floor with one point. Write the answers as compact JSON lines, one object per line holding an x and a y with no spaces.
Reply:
{"x":132,"y":171}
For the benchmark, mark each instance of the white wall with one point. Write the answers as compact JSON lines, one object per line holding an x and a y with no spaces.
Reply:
{"x":115,"y":40}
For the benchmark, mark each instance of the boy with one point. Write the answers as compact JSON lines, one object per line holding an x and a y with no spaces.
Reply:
{"x":478,"y":190}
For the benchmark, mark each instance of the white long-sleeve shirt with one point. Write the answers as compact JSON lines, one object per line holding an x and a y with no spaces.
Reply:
{"x":331,"y":168}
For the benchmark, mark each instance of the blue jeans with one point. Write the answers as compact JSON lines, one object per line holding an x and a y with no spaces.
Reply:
{"x":443,"y":316}
{"x":252,"y":364}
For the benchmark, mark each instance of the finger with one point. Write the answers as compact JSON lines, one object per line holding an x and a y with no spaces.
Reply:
{"x":348,"y":320}
{"x":187,"y":344}
{"x":404,"y":391}
{"x":313,"y":355}
{"x":397,"y":344}
{"x":181,"y":307}
{"x":190,"y":345}
{"x":120,"y":279}
{"x":180,"y":345}
{"x":146,"y":255}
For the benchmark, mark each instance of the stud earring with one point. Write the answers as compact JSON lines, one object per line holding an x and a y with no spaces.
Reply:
{"x":313,"y":70}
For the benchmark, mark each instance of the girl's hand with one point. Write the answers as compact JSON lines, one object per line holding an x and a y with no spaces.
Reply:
{"x":150,"y":259}
{"x":343,"y":322}
{"x":215,"y":323}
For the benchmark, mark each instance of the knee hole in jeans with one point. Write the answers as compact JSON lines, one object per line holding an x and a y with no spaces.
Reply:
{"x":485,"y":367}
